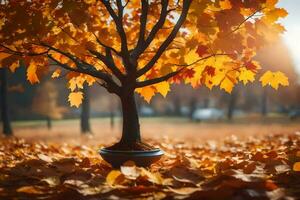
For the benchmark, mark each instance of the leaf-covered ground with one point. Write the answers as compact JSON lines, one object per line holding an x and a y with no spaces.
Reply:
{"x":265,"y":168}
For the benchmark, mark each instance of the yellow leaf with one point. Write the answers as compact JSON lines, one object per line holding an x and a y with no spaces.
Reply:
{"x":184,"y":190}
{"x":146,"y":92}
{"x":227,"y":85}
{"x":31,"y":73}
{"x":152,"y":177}
{"x":30,"y":190}
{"x":75,"y":98}
{"x":72,"y":84}
{"x":163,"y":88}
{"x":56,"y":73}
{"x":271,"y":3}
{"x":246,"y":76}
{"x":114,"y":177}
{"x":225,"y":4}
{"x":296,"y":166}
{"x":274,"y":79}
{"x":14,"y":66}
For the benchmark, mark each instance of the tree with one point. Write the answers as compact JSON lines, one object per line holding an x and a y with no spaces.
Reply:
{"x":85,"y":111}
{"x":7,"y":130}
{"x":45,"y":103}
{"x":140,"y":46}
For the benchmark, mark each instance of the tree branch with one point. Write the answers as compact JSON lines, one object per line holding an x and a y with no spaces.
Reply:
{"x":140,"y":48}
{"x":119,"y":26}
{"x":158,"y":80}
{"x":97,"y":74}
{"x":19,"y":53}
{"x":143,"y":22}
{"x":170,"y":38}
{"x":166,"y":77}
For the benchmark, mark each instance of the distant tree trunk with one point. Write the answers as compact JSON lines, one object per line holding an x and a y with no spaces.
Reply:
{"x":206,"y":103}
{"x":193,"y":103}
{"x":231,"y":104}
{"x":7,"y":130}
{"x":112,"y":119}
{"x":264,"y":102}
{"x":177,"y":104}
{"x":49,"y":123}
{"x":85,"y":111}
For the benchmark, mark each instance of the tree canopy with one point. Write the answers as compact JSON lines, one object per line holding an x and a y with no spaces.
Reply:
{"x":141,"y":45}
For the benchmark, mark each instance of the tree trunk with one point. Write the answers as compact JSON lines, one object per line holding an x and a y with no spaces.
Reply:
{"x":49,"y":123}
{"x":231,"y":104}
{"x":193,"y":103}
{"x":112,"y":119}
{"x":131,"y":126}
{"x":7,"y":130}
{"x":85,"y":111}
{"x":264,"y":99}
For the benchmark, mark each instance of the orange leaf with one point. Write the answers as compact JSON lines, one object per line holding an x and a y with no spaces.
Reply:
{"x":75,"y":98}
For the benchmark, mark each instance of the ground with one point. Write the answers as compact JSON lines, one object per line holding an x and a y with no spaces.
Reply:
{"x":250,"y":158}
{"x":180,"y":129}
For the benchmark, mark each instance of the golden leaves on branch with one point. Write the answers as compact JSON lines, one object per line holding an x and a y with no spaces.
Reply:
{"x":274,"y":79}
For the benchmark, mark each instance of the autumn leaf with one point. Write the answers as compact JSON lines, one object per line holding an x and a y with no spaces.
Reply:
{"x":246,"y":76}
{"x":75,"y":98}
{"x":31,"y":73}
{"x":114,"y":177}
{"x":14,"y":66}
{"x":296,"y":167}
{"x":227,"y":85}
{"x":274,"y":79}
{"x":56,"y":73}
{"x":163,"y":88}
{"x":201,"y":50}
{"x":146,"y":92}
{"x":30,"y":190}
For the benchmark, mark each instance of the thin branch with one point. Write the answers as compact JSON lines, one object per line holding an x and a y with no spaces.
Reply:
{"x":119,"y":26}
{"x":159,"y":79}
{"x":19,"y":53}
{"x":113,"y":87}
{"x":104,"y":45}
{"x":170,"y":75}
{"x":170,"y":38}
{"x":139,"y":49}
{"x":244,"y":21}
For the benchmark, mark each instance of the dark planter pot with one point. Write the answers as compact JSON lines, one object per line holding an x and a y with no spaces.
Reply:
{"x":141,"y":158}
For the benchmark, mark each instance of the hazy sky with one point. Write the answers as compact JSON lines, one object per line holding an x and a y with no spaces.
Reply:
{"x":292,"y":26}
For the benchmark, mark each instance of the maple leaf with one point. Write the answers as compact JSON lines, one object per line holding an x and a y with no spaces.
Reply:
{"x":146,"y":92}
{"x":163,"y":88}
{"x":75,"y":98}
{"x":274,"y":79}
{"x":56,"y":73}
{"x":227,"y":85}
{"x":246,"y":76}
{"x":31,"y":73}
{"x":201,"y":50}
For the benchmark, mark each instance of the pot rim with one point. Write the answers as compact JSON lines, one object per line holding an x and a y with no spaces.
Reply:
{"x":156,"y":150}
